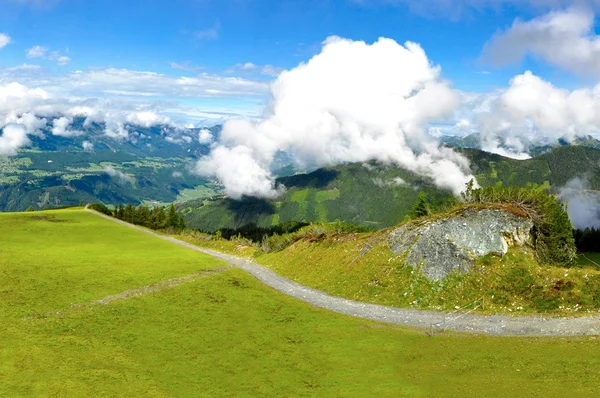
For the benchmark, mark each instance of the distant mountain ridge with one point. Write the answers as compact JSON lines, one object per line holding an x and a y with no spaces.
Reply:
{"x":377,"y":195}
{"x":473,"y":141}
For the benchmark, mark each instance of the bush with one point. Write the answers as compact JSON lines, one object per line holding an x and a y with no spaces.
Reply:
{"x":101,"y":208}
{"x":552,"y":230}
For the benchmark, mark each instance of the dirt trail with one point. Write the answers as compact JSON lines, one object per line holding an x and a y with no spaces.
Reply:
{"x":141,"y":291}
{"x":430,"y":320}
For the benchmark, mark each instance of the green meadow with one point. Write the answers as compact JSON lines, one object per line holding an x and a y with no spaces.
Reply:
{"x":224,"y":334}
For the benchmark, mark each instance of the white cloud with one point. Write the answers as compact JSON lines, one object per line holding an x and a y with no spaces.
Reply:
{"x":56,"y":56}
{"x":187,"y":66}
{"x":205,"y":136}
{"x":563,"y":38}
{"x":60,"y":127}
{"x":210,"y":33}
{"x":147,"y":119}
{"x":118,"y":174}
{"x":87,"y":146}
{"x":23,"y":67}
{"x":14,"y":136}
{"x":583,"y":205}
{"x":31,"y":123}
{"x":4,"y":40}
{"x":247,"y":66}
{"x":352,"y":102}
{"x":36,"y":52}
{"x":270,"y":70}
{"x":533,"y":111}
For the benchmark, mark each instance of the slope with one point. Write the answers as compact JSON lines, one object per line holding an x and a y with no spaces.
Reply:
{"x":379,"y":196}
{"x":226,"y":335}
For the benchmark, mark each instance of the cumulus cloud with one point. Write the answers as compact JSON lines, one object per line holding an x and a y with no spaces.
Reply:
{"x":563,"y":38}
{"x":23,"y":67}
{"x":4,"y":40}
{"x":119,"y":97}
{"x":205,"y":136}
{"x":583,"y":205}
{"x":352,"y":102}
{"x":87,"y":146}
{"x":532,"y":111}
{"x":270,"y":70}
{"x":147,"y":119}
{"x":60,"y":59}
{"x":14,"y":136}
{"x":29,"y":121}
{"x":36,"y":52}
{"x":60,"y":127}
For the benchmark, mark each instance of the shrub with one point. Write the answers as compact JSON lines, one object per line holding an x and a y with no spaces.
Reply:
{"x":552,"y":230}
{"x":101,"y":208}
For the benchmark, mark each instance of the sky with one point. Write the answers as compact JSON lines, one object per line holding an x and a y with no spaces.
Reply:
{"x":358,"y":76}
{"x":251,"y":40}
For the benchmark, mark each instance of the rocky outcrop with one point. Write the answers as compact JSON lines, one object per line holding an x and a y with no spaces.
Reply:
{"x":440,"y":247}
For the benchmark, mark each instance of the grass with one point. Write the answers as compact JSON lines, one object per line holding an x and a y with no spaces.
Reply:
{"x":360,"y":266}
{"x":228,"y":335}
{"x":584,"y":259}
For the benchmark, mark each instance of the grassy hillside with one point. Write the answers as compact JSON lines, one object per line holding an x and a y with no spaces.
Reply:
{"x":369,"y":194}
{"x":361,"y":266}
{"x":224,"y":334}
{"x":379,"y":196}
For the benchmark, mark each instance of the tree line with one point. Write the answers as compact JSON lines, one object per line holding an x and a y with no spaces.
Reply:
{"x":587,"y":240}
{"x":156,"y":217}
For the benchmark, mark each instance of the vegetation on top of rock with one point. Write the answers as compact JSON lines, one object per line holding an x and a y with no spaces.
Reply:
{"x":552,"y":230}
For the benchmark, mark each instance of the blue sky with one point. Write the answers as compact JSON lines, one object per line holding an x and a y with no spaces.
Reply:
{"x":327,"y":81}
{"x":251,"y":40}
{"x":217,"y":35}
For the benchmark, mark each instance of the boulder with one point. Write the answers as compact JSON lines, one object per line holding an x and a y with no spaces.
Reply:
{"x":442,"y":246}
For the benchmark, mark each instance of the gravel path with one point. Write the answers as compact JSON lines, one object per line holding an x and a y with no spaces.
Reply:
{"x":430,"y":320}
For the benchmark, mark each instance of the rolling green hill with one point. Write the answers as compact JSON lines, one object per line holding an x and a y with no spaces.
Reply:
{"x":222,"y":333}
{"x":379,"y":196}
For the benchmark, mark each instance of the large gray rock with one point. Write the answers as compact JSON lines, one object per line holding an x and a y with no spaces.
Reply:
{"x":440,"y":247}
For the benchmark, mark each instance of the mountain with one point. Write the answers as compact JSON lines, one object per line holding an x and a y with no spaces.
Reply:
{"x":153,"y":164}
{"x":380,"y":196}
{"x":473,"y":141}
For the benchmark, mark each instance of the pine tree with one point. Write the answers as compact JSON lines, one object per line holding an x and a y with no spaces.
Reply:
{"x":172,"y":217}
{"x":421,"y":207}
{"x":181,"y":223}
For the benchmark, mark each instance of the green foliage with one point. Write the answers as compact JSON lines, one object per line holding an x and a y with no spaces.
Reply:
{"x":553,"y":232}
{"x":371,"y":194}
{"x":587,"y":240}
{"x":100,"y":207}
{"x":421,"y":207}
{"x":155,"y":218}
{"x":30,"y":208}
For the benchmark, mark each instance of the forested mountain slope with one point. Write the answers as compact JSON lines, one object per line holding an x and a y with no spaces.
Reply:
{"x":378,"y":196}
